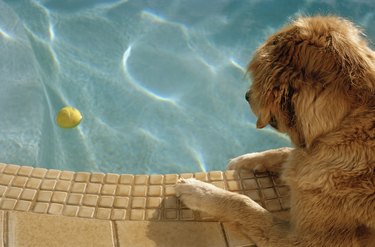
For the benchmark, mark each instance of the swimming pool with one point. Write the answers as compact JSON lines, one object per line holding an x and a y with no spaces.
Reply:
{"x":160,"y":83}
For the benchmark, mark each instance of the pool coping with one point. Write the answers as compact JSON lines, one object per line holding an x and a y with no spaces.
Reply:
{"x":51,"y":207}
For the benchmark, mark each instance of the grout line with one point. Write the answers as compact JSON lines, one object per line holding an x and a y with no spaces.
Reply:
{"x":276,"y":186}
{"x":5,"y":229}
{"x":115,"y":234}
{"x":225,"y":236}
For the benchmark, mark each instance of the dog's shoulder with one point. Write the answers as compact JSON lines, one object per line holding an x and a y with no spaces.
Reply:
{"x":342,"y":160}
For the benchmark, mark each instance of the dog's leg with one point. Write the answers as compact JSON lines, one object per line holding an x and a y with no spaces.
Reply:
{"x":257,"y":223}
{"x":271,"y":160}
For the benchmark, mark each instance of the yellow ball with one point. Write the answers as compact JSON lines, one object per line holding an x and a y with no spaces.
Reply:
{"x":68,"y":117}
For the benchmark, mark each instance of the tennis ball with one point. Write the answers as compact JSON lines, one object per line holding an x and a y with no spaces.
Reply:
{"x":68,"y":117}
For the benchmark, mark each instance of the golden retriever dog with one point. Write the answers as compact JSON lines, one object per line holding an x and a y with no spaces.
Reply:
{"x":315,"y":81}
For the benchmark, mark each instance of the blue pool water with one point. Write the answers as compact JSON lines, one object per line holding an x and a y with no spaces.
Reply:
{"x":160,"y":83}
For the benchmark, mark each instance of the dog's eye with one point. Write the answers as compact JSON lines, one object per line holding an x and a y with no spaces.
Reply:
{"x":247,"y":96}
{"x":273,"y":122}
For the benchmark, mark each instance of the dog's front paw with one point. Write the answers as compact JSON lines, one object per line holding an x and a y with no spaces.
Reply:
{"x":247,"y":161}
{"x":271,"y":160}
{"x":198,"y":195}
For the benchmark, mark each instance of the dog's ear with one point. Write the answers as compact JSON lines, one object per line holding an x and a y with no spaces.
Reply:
{"x":264,"y":118}
{"x":356,"y":59}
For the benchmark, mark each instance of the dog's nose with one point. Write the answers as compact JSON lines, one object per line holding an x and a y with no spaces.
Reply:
{"x":247,"y":96}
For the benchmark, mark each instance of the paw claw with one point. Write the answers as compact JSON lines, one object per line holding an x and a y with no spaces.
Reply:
{"x":181,"y":181}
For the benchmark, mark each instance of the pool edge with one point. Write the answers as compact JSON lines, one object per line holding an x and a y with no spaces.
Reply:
{"x":120,"y":209}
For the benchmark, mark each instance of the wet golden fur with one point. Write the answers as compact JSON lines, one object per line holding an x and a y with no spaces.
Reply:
{"x":315,"y":81}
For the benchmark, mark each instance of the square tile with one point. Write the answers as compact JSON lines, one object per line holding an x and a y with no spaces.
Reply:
{"x":78,"y":187}
{"x":154,"y":202}
{"x":70,"y":210}
{"x":90,"y":200}
{"x":23,"y":205}
{"x":33,"y":183}
{"x":121,"y":202}
{"x":156,"y":179}
{"x":250,"y":184}
{"x":38,"y":172}
{"x":111,"y":178}
{"x":41,"y":207}
{"x":155,"y":190}
{"x":25,"y":171}
{"x":245,"y":173}
{"x":106,"y":201}
{"x":28,"y":194}
{"x":170,"y":202}
{"x":83,"y":177}
{"x":67,"y":175}
{"x":273,"y":205}
{"x":253,"y":194}
{"x":118,"y":214}
{"x":137,"y":214}
{"x":265,"y":182}
{"x":93,"y":188}
{"x":13,"y":192}
{"x":44,"y":196}
{"x":48,"y":184}
{"x":109,"y":189}
{"x":283,"y":191}
{"x":139,"y":190}
{"x":202,"y":176}
{"x":59,"y":196}
{"x":231,"y":175}
{"x":170,"y":179}
{"x":55,"y":208}
{"x":2,"y":190}
{"x":140,"y":179}
{"x":8,"y":204}
{"x":103,"y":213}
{"x":52,"y":174}
{"x":269,"y":193}
{"x":97,"y":177}
{"x":186,"y":214}
{"x":86,"y":212}
{"x":216,"y":175}
{"x":126,"y":179}
{"x":62,"y":185}
{"x":75,"y":199}
{"x":170,"y":190}
{"x":138,"y":202}
{"x":181,"y":234}
{"x":153,"y":214}
{"x":19,"y":181}
{"x":11,"y":169}
{"x":171,"y":214}
{"x":123,"y":190}
{"x":234,"y":185}
{"x":5,"y":179}
{"x":27,"y":229}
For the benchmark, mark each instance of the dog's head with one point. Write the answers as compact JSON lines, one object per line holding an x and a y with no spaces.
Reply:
{"x":308,"y":76}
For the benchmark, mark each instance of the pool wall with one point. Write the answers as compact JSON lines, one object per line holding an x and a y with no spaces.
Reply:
{"x":42,"y":207}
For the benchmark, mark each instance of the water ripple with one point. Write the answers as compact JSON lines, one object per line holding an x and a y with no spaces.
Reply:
{"x":137,"y":85}
{"x":5,"y":35}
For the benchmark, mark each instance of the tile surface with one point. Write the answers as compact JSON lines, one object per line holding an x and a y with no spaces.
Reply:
{"x":169,"y":234}
{"x":44,"y":207}
{"x":27,"y":229}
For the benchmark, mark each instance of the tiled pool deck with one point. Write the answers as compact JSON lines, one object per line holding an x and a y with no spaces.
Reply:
{"x":41,"y":207}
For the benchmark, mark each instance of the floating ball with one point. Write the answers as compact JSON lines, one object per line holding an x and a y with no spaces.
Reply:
{"x":68,"y":117}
